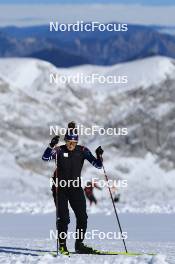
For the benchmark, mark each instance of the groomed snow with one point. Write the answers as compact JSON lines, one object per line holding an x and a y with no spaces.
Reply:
{"x":48,"y":259}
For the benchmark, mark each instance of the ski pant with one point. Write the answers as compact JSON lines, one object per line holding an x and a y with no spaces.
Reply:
{"x":77,"y":201}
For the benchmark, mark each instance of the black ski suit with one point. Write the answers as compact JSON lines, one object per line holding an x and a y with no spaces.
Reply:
{"x":69,"y":166}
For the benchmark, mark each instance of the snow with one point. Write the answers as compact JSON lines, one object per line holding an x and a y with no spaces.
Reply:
{"x":141,"y":73}
{"x":30,"y":191}
{"x":14,"y":181}
{"x":150,"y":71}
{"x":26,"y":245}
{"x":144,"y":193}
{"x":29,"y":104}
{"x":47,"y":259}
{"x":162,"y":110}
{"x":17,"y":71}
{"x":25,"y":133}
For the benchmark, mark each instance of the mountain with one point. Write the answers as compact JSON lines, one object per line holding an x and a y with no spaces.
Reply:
{"x":38,"y":48}
{"x":99,"y":48}
{"x":137,"y":42}
{"x":12,"y":47}
{"x":59,"y":58}
{"x":8,"y":45}
{"x":145,"y":106}
{"x":170,"y":30}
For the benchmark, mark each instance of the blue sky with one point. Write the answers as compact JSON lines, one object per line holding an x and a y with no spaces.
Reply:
{"x":145,"y":2}
{"x":39,"y":14}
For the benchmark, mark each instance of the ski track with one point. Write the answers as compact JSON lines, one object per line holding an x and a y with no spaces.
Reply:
{"x":19,"y":251}
{"x":25,"y":237}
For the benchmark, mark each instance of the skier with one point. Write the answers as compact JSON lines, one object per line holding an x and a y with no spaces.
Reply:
{"x":70,"y":158}
{"x":89,"y":192}
{"x":116,"y":196}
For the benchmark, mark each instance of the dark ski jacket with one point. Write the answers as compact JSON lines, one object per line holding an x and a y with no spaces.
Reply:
{"x":70,"y":163}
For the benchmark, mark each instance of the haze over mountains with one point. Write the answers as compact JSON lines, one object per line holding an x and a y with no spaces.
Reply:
{"x":65,"y":49}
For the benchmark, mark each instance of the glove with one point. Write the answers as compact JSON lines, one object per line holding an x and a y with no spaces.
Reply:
{"x":99,"y":152}
{"x":54,"y":141}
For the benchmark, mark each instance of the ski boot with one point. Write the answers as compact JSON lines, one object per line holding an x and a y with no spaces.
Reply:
{"x":81,"y":248}
{"x":63,"y":249}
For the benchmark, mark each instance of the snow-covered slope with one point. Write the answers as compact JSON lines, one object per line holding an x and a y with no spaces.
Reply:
{"x":140,"y":73}
{"x":145,"y":105}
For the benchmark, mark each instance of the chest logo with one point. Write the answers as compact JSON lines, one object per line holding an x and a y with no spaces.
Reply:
{"x":65,"y":155}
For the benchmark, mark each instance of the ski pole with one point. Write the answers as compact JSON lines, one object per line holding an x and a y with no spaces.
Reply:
{"x":57,"y":202}
{"x":116,"y":214}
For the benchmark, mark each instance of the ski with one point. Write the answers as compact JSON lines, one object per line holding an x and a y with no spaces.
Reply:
{"x":101,"y":252}
{"x":114,"y":253}
{"x":54,"y":254}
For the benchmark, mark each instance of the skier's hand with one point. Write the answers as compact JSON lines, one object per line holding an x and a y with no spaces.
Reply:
{"x":54,"y":141}
{"x":99,"y":152}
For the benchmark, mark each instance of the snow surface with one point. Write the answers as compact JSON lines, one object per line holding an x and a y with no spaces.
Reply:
{"x":141,"y":73}
{"x":48,"y":259}
{"x":25,"y":245}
